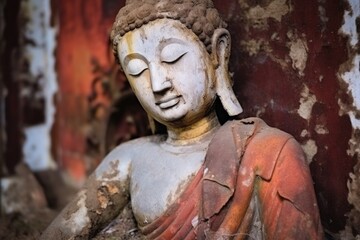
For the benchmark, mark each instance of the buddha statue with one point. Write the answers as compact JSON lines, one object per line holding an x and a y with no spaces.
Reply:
{"x":199,"y":179}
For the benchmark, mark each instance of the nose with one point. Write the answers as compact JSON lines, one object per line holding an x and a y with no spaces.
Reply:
{"x":159,"y":80}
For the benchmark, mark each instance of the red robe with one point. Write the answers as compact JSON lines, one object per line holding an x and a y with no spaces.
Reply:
{"x":254,"y":184}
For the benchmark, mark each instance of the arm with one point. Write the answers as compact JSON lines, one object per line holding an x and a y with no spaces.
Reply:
{"x":104,"y":195}
{"x":288,"y":200}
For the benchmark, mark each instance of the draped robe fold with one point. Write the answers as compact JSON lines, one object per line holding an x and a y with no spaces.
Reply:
{"x":254,"y":184}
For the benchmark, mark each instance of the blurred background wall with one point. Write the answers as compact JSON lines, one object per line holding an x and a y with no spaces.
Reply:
{"x":64,"y":103}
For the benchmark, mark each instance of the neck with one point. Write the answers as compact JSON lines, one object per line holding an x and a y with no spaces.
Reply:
{"x":195,"y":132}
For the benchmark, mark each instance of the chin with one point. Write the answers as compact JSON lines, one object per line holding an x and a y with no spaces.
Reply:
{"x":172,"y":116}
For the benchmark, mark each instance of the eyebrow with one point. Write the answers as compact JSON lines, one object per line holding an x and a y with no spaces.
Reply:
{"x":131,"y":56}
{"x":165,"y":42}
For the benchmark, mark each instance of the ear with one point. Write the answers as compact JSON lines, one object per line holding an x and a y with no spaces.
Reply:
{"x":221,"y":45}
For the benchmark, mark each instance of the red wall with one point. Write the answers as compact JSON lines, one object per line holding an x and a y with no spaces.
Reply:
{"x":270,"y":69}
{"x":82,"y":46}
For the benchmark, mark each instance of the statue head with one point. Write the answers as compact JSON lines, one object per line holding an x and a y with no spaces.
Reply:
{"x":179,"y":50}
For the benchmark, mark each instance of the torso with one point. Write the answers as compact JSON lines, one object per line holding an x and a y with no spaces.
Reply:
{"x":160,"y":172}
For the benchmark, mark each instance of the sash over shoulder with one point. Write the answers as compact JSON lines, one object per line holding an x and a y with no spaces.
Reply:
{"x":250,"y":170}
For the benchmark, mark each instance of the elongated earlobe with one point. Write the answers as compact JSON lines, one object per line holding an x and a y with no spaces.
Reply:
{"x":221,"y":45}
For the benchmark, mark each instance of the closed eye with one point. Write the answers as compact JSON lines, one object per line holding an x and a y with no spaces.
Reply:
{"x":135,"y":67}
{"x":173,"y":52}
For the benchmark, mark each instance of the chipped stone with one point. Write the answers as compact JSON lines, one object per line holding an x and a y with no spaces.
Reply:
{"x":79,"y":219}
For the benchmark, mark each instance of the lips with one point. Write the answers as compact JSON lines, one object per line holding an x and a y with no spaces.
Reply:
{"x":168,"y":103}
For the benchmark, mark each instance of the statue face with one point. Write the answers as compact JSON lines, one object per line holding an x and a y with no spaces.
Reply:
{"x":169,"y":70}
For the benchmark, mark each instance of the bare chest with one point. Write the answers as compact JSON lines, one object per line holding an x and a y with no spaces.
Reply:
{"x":159,"y":178}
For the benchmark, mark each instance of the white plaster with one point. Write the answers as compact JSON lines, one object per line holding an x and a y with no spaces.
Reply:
{"x":352,"y":77}
{"x":299,"y":55}
{"x":349,"y":27}
{"x":41,"y":57}
{"x":354,"y":121}
{"x":307,"y":101}
{"x":310,"y":150}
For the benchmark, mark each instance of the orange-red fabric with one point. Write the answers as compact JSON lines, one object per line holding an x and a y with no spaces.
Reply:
{"x":176,"y":223}
{"x":245,"y":160}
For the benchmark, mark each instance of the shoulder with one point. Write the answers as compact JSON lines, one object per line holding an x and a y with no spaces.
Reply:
{"x":267,"y":146}
{"x":260,"y":135}
{"x":117,"y":162}
{"x":131,"y":147}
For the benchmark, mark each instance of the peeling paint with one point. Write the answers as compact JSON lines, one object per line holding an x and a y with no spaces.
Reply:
{"x":349,"y":28}
{"x":307,"y":101}
{"x":40,"y":54}
{"x":310,"y":150}
{"x":259,"y":16}
{"x":104,"y":195}
{"x":351,"y":77}
{"x":298,"y":52}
